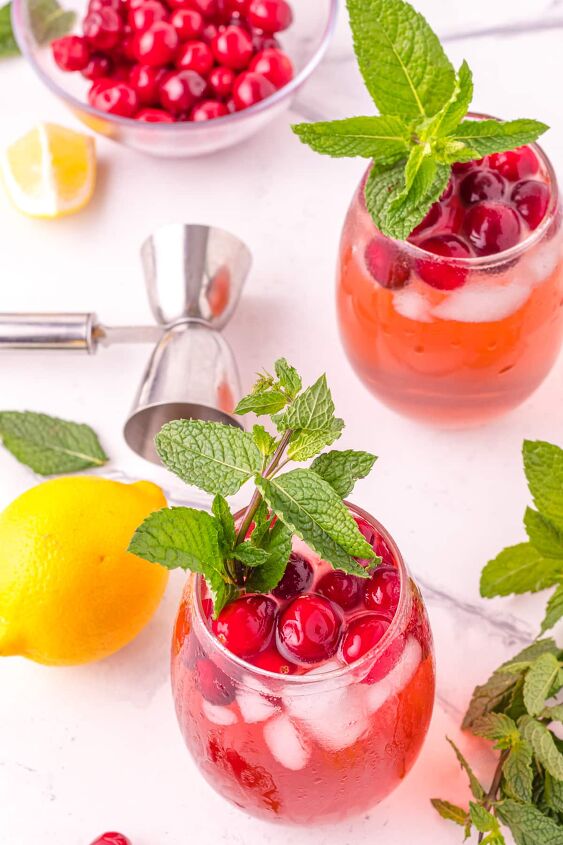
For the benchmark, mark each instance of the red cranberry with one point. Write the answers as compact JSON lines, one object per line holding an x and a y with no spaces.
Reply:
{"x":270,"y":15}
{"x":146,"y":15}
{"x":232,"y":47}
{"x":157,"y":45}
{"x":154,"y":116}
{"x":297,"y":578}
{"x":492,"y":227}
{"x":515,"y":164}
{"x":239,"y":7}
{"x":126,"y":49}
{"x":275,"y":65}
{"x":431,"y":219}
{"x":387,"y":263}
{"x":442,"y":274}
{"x":272,"y":661}
{"x":188,"y":24}
{"x":116,"y":5}
{"x":114,"y":97}
{"x":213,"y":684}
{"x":250,"y":88}
{"x":531,"y":199}
{"x":146,"y":81}
{"x":341,"y":588}
{"x":195,"y":55}
{"x":453,"y":214}
{"x":103,"y":29}
{"x":221,"y":80}
{"x":383,"y":590}
{"x":466,"y":166}
{"x":97,"y":67}
{"x":362,"y":634}
{"x":263,"y":41}
{"x":207,"y":8}
{"x":208,"y":110}
{"x":448,"y":191}
{"x":375,"y":540}
{"x":120,"y":72}
{"x":482,"y":185}
{"x":111,"y":839}
{"x":246,"y":625}
{"x":209,"y":33}
{"x":309,"y":629}
{"x":71,"y":52}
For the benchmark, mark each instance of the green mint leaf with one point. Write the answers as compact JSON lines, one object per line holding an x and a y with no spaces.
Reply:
{"x":482,"y":819}
{"x":288,"y":377}
{"x":524,"y":659}
{"x":306,"y":444}
{"x":385,"y":138}
{"x":451,"y":812}
{"x":543,"y":745}
{"x":264,"y":441}
{"x":540,"y":679}
{"x":517,"y":771}
{"x":48,"y":445}
{"x":8,"y":44}
{"x":528,"y":825}
{"x":476,"y":789}
{"x":225,"y":522}
{"x":261,"y":524}
{"x":554,"y":610}
{"x":553,"y":713}
{"x":497,"y":727}
{"x":544,"y":535}
{"x":519,"y":569}
{"x":451,"y":115}
{"x":49,"y":20}
{"x":250,"y":555}
{"x":342,"y":469}
{"x":497,"y":136}
{"x":311,"y":509}
{"x":488,"y":697}
{"x":515,"y":707}
{"x":265,"y":402}
{"x":553,"y":793}
{"x":543,"y":465}
{"x":277,"y":543}
{"x":312,"y":410}
{"x":215,"y":457}
{"x":494,"y":838}
{"x":403,"y":64}
{"x":448,"y":151}
{"x":222,"y":592}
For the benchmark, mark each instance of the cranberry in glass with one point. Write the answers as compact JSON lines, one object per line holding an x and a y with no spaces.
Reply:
{"x":453,"y":214}
{"x":154,"y":116}
{"x":71,"y":52}
{"x":515,"y":164}
{"x":482,"y":185}
{"x":448,"y":191}
{"x":221,"y":80}
{"x":144,"y":16}
{"x":387,"y":264}
{"x":97,"y":67}
{"x":250,"y":88}
{"x":146,"y":81}
{"x":531,"y":199}
{"x":431,"y":219}
{"x":208,"y":110}
{"x":213,"y":684}
{"x":441,"y":274}
{"x":270,"y":15}
{"x":341,"y":587}
{"x":309,"y":629}
{"x":239,"y":7}
{"x":116,"y":5}
{"x":272,"y":661}
{"x":492,"y":227}
{"x":114,"y":97}
{"x":103,"y":29}
{"x":188,"y":24}
{"x":111,"y":839}
{"x":275,"y":65}
{"x":157,"y":45}
{"x":383,"y":590}
{"x":375,"y":540}
{"x":195,"y":55}
{"x":297,"y":578}
{"x":232,"y":47}
{"x":362,"y":634}
{"x":466,"y":166}
{"x":246,"y":625}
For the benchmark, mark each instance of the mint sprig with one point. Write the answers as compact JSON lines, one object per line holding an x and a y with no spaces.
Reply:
{"x":252,"y":557}
{"x":421,"y":130}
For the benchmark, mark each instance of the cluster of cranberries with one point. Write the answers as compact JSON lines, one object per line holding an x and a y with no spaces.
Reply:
{"x":162,"y":61}
{"x":488,"y":207}
{"x":112,"y":839}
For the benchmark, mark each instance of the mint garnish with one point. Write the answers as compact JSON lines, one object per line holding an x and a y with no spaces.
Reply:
{"x":307,"y":502}
{"x":420,"y":131}
{"x":48,"y":445}
{"x":8,"y":44}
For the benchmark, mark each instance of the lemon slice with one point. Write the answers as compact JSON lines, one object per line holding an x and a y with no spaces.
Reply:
{"x":50,"y":171}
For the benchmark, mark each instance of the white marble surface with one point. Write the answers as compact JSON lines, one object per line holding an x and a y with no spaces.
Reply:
{"x":87,"y":749}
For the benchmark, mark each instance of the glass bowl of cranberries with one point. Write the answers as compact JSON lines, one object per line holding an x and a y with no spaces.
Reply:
{"x":179,"y":78}
{"x":308,"y":704}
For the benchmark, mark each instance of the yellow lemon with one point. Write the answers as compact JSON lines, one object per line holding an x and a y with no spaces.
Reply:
{"x":69,"y":591}
{"x":50,"y":171}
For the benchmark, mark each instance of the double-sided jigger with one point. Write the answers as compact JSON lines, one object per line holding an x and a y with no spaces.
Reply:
{"x":194,"y":277}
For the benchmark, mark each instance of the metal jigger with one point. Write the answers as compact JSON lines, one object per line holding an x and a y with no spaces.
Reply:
{"x":194,"y":277}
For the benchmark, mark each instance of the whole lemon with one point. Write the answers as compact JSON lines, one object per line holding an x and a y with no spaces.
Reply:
{"x":69,"y":591}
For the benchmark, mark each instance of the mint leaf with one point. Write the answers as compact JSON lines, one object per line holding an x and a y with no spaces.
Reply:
{"x":449,"y":117}
{"x":401,"y":60}
{"x":497,"y":136}
{"x":385,"y":137}
{"x":517,"y":771}
{"x":488,"y":697}
{"x":543,"y":745}
{"x":524,"y":659}
{"x":481,"y":818}
{"x":215,"y":457}
{"x":553,"y":793}
{"x":342,"y":469}
{"x":306,"y":444}
{"x":553,"y":713}
{"x":519,"y":569}
{"x":451,"y":812}
{"x":543,"y":465}
{"x":225,"y":523}
{"x":498,"y":727}
{"x":288,"y":377}
{"x":250,"y":555}
{"x":264,"y":440}
{"x":49,"y":445}
{"x":311,"y":509}
{"x":8,"y":44}
{"x":277,"y":543}
{"x":540,"y":678}
{"x":476,"y":789}
{"x":554,"y":610}
{"x":546,"y":537}
{"x":49,"y":20}
{"x":265,"y":402}
{"x":312,"y":410}
{"x":529,"y":826}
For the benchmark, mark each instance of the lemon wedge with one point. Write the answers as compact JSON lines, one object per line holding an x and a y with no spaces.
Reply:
{"x":50,"y":171}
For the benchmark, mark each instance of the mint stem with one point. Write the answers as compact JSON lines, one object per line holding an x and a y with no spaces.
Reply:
{"x":491,"y":795}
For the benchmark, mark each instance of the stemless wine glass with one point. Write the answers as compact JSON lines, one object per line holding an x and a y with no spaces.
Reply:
{"x":459,"y":356}
{"x":310,"y":748}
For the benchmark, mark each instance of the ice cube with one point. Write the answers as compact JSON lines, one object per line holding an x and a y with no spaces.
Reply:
{"x":335,"y":718}
{"x":285,"y":742}
{"x":412,"y":304}
{"x":542,"y":262}
{"x":219,"y":715}
{"x":482,"y":303}
{"x":254,"y":707}
{"x":399,"y":676}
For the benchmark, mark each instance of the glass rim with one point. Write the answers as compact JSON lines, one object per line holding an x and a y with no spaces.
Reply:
{"x":20,"y":32}
{"x":499,"y":258}
{"x":397,"y":626}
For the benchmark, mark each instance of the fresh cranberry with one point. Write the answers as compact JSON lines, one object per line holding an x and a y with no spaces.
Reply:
{"x":111,"y":839}
{"x":340,"y":587}
{"x":126,"y":49}
{"x":117,"y":6}
{"x":157,"y":45}
{"x":208,"y":8}
{"x":531,"y":199}
{"x":309,"y":629}
{"x":492,"y":227}
{"x":272,"y":661}
{"x":209,"y":33}
{"x":442,"y":274}
{"x":235,"y":7}
{"x":154,"y":116}
{"x":246,"y":625}
{"x":448,"y":191}
{"x":97,"y":67}
{"x":362,"y":634}
{"x":121,"y":72}
{"x":221,"y":80}
{"x":376,"y":541}
{"x":383,"y":590}
{"x":195,"y":55}
{"x":146,"y":81}
{"x":250,"y":88}
{"x":482,"y":185}
{"x":146,"y":15}
{"x":270,"y":15}
{"x":213,"y":684}
{"x":515,"y":164}
{"x":297,"y":578}
{"x":188,"y":24}
{"x":114,"y":97}
{"x":263,"y":41}
{"x":232,"y":47}
{"x":466,"y":166}
{"x":453,"y":214}
{"x":208,"y":110}
{"x":431,"y":219}
{"x":275,"y":65}
{"x":103,"y":29}
{"x":71,"y":52}
{"x":387,"y":263}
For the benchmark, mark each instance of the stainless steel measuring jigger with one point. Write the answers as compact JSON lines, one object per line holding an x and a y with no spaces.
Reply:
{"x":194,"y":277}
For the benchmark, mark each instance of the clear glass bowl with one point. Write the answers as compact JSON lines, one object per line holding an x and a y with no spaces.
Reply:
{"x":305,"y":42}
{"x":310,"y":748}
